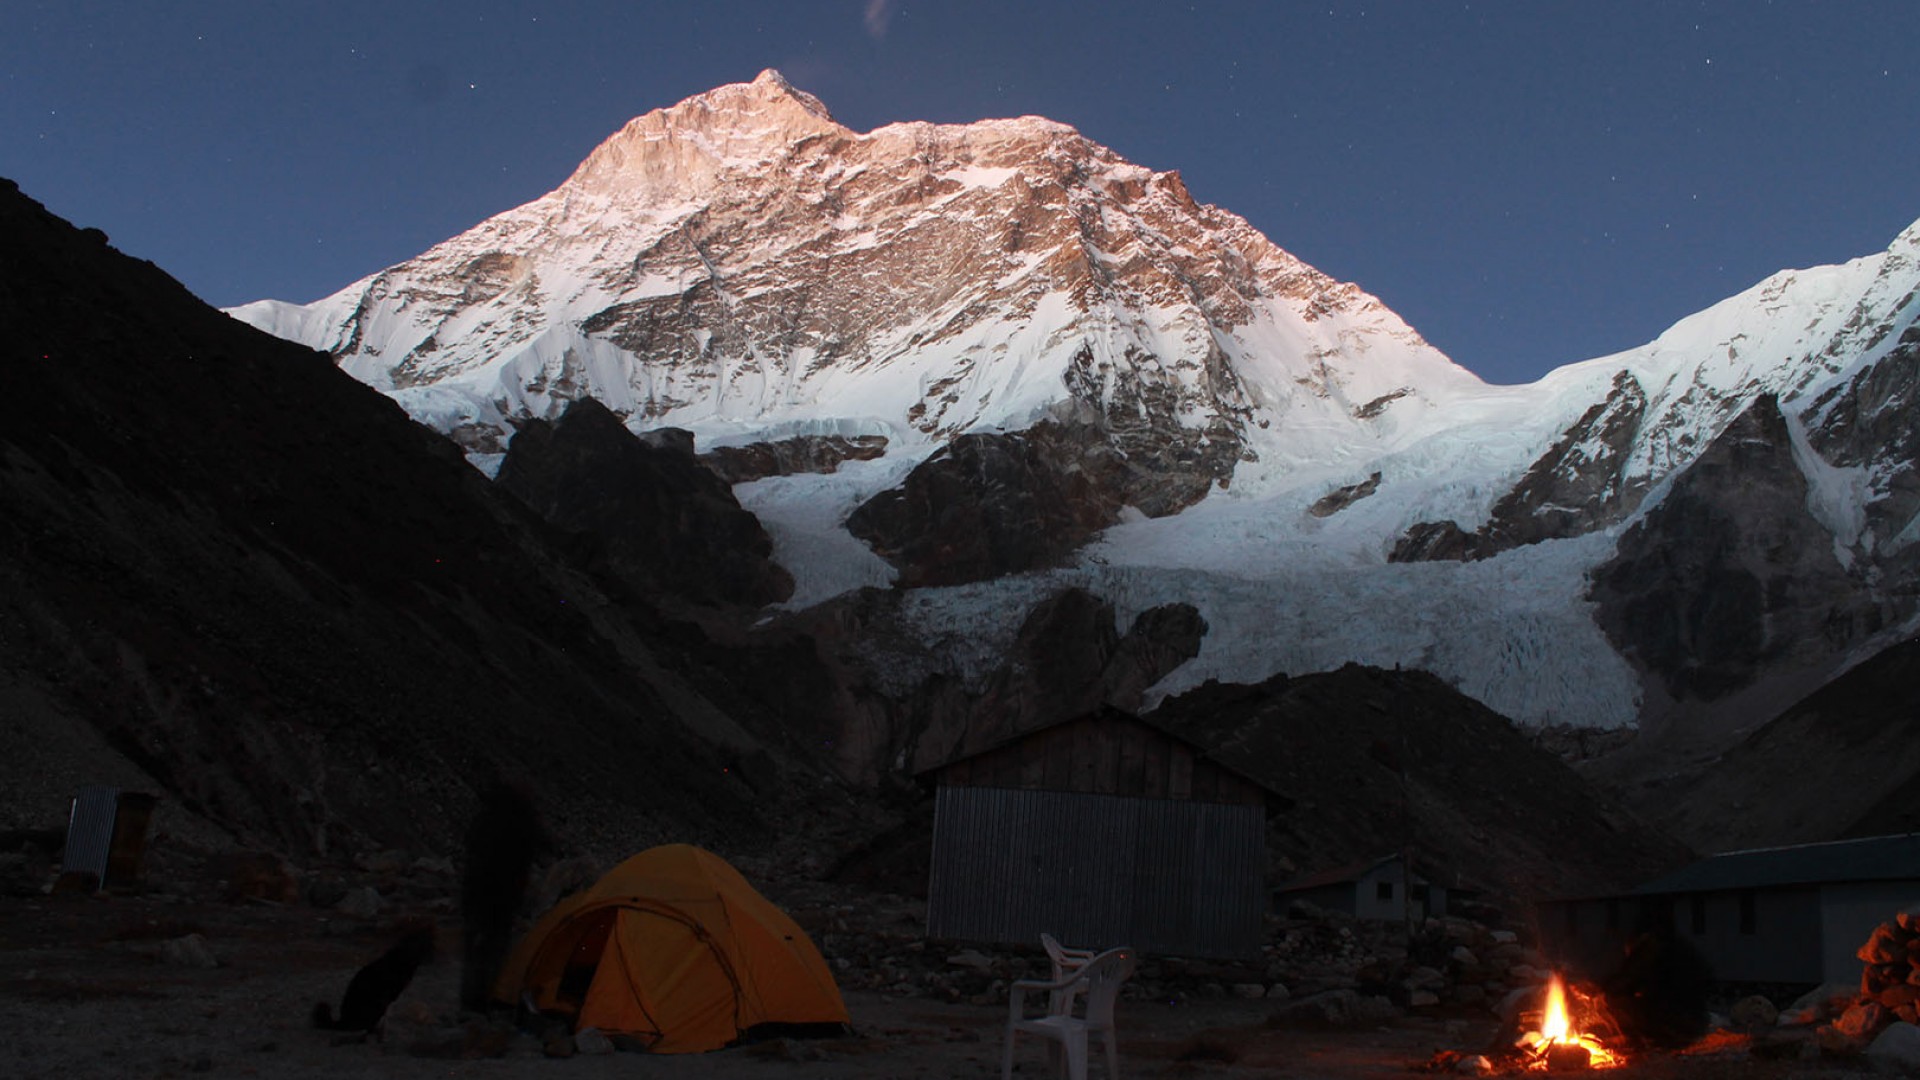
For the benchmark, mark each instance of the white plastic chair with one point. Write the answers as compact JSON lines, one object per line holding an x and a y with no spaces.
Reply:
{"x":1097,"y":981}
{"x":1065,"y":959}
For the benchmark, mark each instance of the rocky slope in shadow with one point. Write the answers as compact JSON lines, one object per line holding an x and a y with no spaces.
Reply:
{"x":232,"y":574}
{"x":1731,"y":575}
{"x":854,"y":676}
{"x":1375,"y":761}
{"x":1744,"y":589}
{"x":649,"y":513}
{"x":1843,"y":761}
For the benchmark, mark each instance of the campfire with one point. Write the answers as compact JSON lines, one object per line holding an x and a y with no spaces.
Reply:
{"x":1570,"y":1036}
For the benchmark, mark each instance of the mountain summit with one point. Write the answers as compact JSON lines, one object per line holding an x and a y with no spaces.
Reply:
{"x":742,"y":266}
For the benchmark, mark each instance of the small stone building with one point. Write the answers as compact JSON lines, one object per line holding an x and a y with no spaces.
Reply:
{"x":1381,"y":889}
{"x":1101,"y":830}
{"x":1787,"y":914}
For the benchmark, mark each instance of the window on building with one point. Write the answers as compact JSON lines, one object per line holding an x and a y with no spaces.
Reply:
{"x":1698,"y":906}
{"x":1749,"y":915}
{"x":1383,"y":890}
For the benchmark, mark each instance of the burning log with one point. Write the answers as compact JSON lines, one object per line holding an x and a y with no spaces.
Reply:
{"x":1569,"y":1038}
{"x":1568,"y":1057}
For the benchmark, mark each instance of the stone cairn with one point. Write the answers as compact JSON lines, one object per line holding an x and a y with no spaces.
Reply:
{"x":1890,"y":982}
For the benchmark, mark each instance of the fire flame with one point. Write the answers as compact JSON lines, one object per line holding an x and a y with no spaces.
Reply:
{"x":1554,"y":1025}
{"x":1557,"y":1030}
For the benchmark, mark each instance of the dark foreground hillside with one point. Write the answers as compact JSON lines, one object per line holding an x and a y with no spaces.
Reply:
{"x":231,"y":574}
{"x":1378,"y":761}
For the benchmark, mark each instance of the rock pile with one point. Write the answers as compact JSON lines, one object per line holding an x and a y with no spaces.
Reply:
{"x":1889,"y":984}
{"x":1317,"y":967}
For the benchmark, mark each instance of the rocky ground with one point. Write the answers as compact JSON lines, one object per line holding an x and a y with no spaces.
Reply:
{"x":213,"y":967}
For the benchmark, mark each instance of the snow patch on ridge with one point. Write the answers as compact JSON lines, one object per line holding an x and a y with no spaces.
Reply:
{"x":1836,"y":496}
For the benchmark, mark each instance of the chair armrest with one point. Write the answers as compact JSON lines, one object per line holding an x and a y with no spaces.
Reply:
{"x":1017,"y":997}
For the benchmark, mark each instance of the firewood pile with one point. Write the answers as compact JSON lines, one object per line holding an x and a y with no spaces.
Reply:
{"x":1890,"y":982}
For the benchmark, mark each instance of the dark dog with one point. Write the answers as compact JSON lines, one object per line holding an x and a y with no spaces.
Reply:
{"x":378,"y":985}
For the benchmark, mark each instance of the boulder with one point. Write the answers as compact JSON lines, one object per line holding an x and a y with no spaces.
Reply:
{"x":591,"y":1040}
{"x":191,"y":951}
{"x":361,"y":903}
{"x":1897,"y":1049}
{"x":1863,"y":1020}
{"x":1753,"y":1012}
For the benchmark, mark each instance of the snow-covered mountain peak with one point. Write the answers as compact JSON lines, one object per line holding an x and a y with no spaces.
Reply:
{"x":741,"y":265}
{"x":1908,"y":240}
{"x":680,"y":149}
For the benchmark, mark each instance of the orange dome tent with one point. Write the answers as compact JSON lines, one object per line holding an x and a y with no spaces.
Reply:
{"x":673,"y":948}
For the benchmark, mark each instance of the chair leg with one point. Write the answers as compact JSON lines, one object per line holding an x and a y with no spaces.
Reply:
{"x":1006,"y":1056}
{"x":1075,"y":1045}
{"x":1112,"y":1044}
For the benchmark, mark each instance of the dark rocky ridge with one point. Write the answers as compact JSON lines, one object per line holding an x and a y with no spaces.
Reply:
{"x":234,"y":575}
{"x":653,"y":515}
{"x":989,"y":504}
{"x":1375,"y":761}
{"x":1843,"y":761}
{"x":853,"y":675}
{"x":784,"y":457}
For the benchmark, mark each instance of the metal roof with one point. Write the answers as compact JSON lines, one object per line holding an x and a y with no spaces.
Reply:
{"x":1109,"y":714}
{"x":1423,"y":873}
{"x":1875,"y":858}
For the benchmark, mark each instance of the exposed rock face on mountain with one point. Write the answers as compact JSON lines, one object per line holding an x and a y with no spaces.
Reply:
{"x":1730,"y":575}
{"x":1339,"y":499}
{"x":987,"y":505}
{"x":784,"y":457}
{"x":656,"y":517}
{"x":1374,"y":762}
{"x":856,"y":674}
{"x":235,"y":577}
{"x":1580,"y":484}
{"x":1865,"y":426}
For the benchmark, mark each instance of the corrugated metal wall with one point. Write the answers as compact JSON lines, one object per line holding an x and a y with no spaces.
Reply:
{"x":90,"y":832}
{"x":1164,"y":876}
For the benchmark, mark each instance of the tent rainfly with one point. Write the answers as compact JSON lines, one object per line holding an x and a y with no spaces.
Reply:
{"x":672,"y":947}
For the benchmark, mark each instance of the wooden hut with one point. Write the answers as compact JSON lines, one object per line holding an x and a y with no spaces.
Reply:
{"x":1101,"y":830}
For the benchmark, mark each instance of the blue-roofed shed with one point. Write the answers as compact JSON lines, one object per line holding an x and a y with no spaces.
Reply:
{"x":1786,"y":914}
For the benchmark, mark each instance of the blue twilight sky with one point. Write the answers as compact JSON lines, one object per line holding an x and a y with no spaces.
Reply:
{"x":1528,"y":182}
